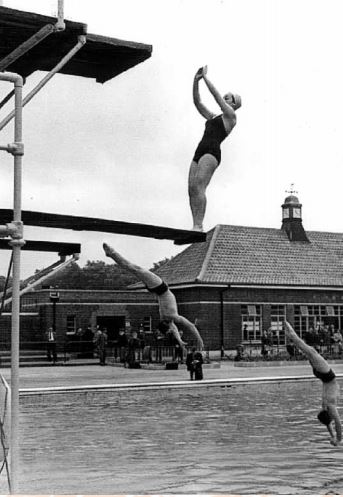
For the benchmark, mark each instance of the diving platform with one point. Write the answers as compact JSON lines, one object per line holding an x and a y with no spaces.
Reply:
{"x":77,"y":223}
{"x":101,"y":58}
{"x":61,"y":248}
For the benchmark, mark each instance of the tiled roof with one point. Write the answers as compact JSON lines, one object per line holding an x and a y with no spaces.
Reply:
{"x":263,"y":256}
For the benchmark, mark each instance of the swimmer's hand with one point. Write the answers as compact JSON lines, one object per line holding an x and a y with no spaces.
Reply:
{"x":199,"y":74}
{"x":335,"y":442}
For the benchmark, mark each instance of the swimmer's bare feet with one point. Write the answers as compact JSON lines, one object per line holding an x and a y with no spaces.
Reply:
{"x":108,"y":250}
{"x":198,"y":228}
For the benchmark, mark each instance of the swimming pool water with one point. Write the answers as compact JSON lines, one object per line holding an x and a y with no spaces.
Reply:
{"x":249,"y":439}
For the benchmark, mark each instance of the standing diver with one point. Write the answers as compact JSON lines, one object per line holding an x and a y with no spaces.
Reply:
{"x":208,"y":154}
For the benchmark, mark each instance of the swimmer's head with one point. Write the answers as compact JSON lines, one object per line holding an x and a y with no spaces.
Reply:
{"x":233,"y":100}
{"x":164,"y":326}
{"x":324,"y":417}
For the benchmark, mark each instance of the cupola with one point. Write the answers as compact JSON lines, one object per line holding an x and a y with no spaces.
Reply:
{"x":292,"y":218}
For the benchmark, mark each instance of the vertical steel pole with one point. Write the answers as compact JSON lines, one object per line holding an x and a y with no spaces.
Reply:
{"x":16,"y":243}
{"x":60,"y":25}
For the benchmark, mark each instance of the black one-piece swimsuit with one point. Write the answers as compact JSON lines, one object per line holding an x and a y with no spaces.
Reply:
{"x":213,"y":136}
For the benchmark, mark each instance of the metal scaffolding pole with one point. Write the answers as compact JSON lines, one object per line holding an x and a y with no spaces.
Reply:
{"x":27,"y":45}
{"x":16,"y":242}
{"x":81,"y":41}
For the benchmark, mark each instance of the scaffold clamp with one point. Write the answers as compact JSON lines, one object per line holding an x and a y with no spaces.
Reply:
{"x":16,"y":148}
{"x":16,"y":229}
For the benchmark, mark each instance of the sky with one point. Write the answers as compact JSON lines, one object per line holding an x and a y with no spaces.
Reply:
{"x":121,"y":150}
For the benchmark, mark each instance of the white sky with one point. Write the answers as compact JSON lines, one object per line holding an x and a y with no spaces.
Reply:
{"x":122,"y":150}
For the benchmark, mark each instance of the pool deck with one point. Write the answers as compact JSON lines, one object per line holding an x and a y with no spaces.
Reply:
{"x":34,"y":380}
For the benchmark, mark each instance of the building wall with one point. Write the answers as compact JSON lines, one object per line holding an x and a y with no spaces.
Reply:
{"x":216,"y":311}
{"x":219,"y":310}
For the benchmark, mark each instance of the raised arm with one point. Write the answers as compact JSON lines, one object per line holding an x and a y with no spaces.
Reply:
{"x":202,"y":109}
{"x":333,"y":411}
{"x":225,"y":107}
{"x":186,"y":325}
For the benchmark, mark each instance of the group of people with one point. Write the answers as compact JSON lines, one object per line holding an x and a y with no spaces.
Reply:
{"x":325,"y":336}
{"x":206,"y":159}
{"x":171,"y":320}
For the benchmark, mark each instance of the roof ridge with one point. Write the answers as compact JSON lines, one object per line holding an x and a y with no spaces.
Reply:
{"x":209,"y":253}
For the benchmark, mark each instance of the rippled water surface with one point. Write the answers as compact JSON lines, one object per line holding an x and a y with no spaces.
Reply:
{"x":245,"y":439}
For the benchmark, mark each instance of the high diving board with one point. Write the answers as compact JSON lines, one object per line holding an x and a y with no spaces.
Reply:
{"x":77,"y":223}
{"x":61,"y":248}
{"x":101,"y":58}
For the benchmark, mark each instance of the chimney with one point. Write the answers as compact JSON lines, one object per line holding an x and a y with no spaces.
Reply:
{"x":292,"y":221}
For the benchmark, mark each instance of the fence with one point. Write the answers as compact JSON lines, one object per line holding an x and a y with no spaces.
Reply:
{"x":86,"y":349}
{"x":253,"y":351}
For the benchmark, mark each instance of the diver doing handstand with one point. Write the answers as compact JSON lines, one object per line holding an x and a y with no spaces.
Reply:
{"x":329,"y":413}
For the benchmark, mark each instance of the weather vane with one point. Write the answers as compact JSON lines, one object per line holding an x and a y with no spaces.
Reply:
{"x":291,"y":191}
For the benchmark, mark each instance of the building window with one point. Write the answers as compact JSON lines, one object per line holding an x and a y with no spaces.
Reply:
{"x":277,"y":318}
{"x":330,"y":310}
{"x":315,"y":316}
{"x":147,"y":324}
{"x":251,"y":317}
{"x":304,"y":310}
{"x":71,"y":325}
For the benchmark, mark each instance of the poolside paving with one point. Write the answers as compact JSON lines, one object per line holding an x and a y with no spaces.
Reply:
{"x":96,"y":375}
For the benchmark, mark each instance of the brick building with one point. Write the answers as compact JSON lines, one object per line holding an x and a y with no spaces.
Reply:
{"x":239,"y":282}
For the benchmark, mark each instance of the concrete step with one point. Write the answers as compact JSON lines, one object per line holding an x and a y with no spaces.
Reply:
{"x":23,"y":353}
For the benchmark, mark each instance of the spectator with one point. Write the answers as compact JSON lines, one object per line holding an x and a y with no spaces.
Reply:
{"x":141,"y":338}
{"x":239,"y":353}
{"x":197,"y":363}
{"x":310,"y":337}
{"x":122,"y":343}
{"x":101,"y":344}
{"x":88,"y":342}
{"x":290,"y":349}
{"x":264,"y":343}
{"x":51,"y":345}
{"x":190,"y":363}
{"x":133,"y":346}
{"x":338,"y":342}
{"x":178,"y":351}
{"x":159,"y":341}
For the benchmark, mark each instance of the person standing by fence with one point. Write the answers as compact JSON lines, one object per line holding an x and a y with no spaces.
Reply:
{"x":122,"y":343}
{"x":101,"y":345}
{"x":190,"y":363}
{"x":51,"y":349}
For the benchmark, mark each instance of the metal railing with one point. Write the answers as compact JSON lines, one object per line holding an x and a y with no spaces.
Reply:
{"x":253,"y":352}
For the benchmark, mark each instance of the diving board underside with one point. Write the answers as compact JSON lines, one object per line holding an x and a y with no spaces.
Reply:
{"x":77,"y":223}
{"x":101,"y":58}
{"x":60,"y":248}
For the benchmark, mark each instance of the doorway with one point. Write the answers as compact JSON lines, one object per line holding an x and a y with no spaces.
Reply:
{"x":113,"y":325}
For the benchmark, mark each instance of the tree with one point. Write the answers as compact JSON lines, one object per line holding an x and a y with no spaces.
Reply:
{"x":95,"y":275}
{"x":160,"y":263}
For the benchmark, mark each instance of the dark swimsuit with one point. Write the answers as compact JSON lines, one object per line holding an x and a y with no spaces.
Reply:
{"x":159,"y":289}
{"x":214,"y":134}
{"x":325,"y":377}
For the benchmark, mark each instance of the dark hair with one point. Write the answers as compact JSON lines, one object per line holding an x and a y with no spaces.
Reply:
{"x":324,"y":417}
{"x":163,"y":326}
